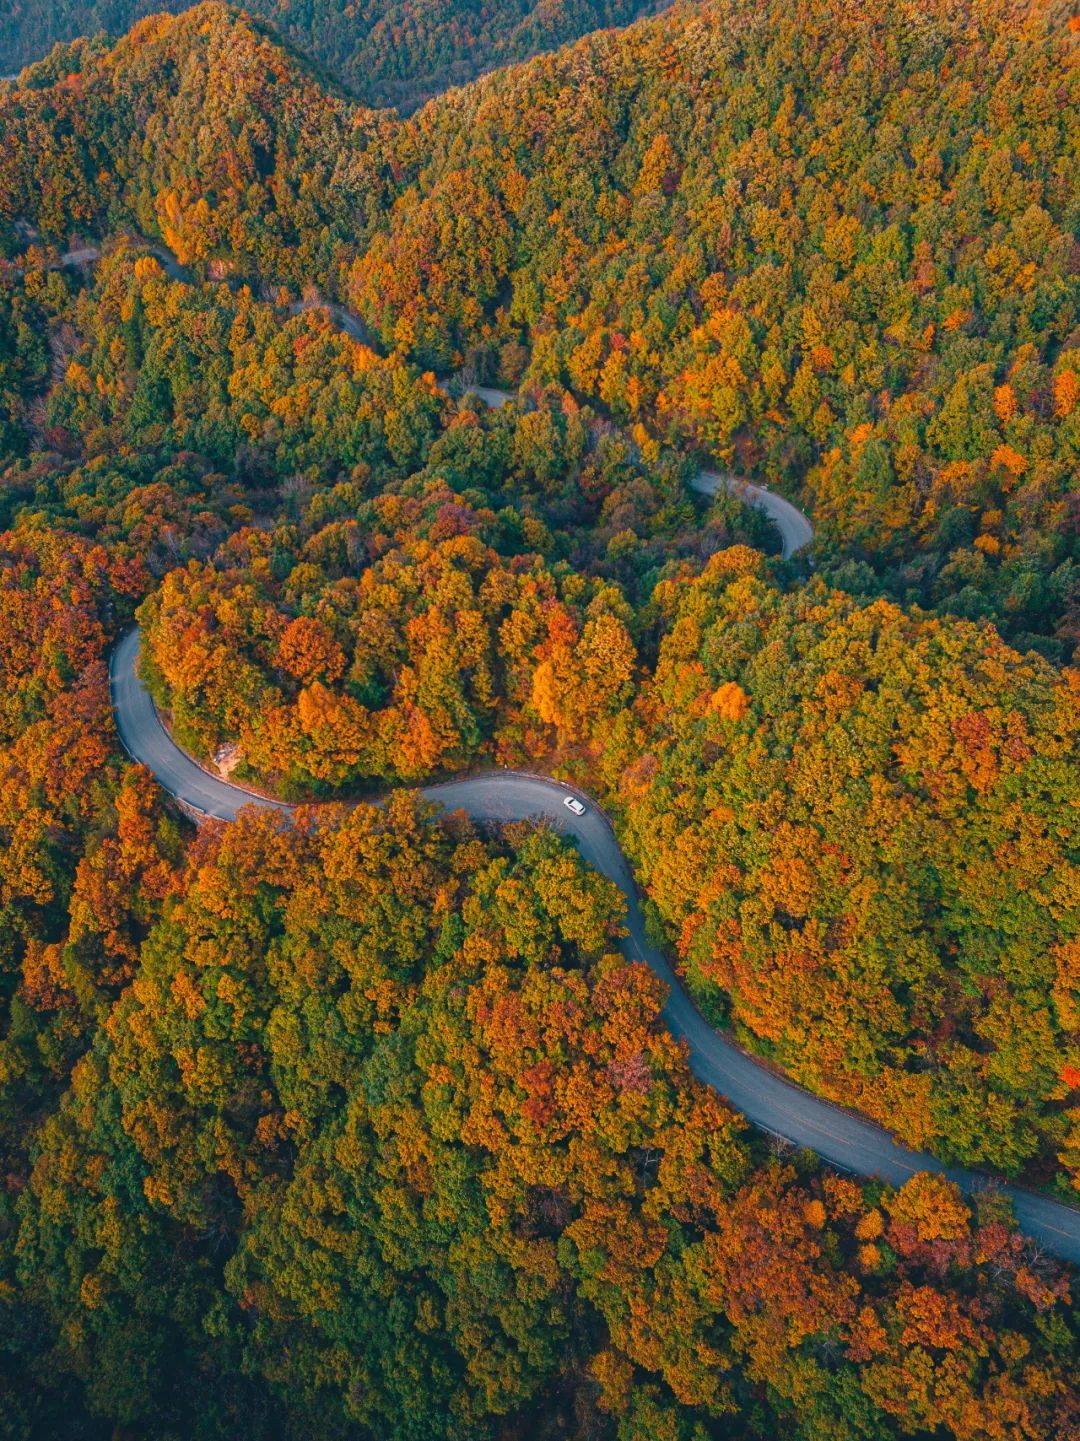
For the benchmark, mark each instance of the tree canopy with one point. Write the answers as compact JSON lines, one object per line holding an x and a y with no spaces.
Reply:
{"x":363,"y":1124}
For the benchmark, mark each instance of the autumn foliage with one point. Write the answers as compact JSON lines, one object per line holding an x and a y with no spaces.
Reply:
{"x":434,"y":656}
{"x":391,"y":1114}
{"x":856,"y":825}
{"x":685,"y":224}
{"x":363,"y":1123}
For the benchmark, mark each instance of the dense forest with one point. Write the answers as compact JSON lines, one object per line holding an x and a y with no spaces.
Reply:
{"x":855,"y":824}
{"x":838,"y":255}
{"x":385,"y":53}
{"x":363,"y":1125}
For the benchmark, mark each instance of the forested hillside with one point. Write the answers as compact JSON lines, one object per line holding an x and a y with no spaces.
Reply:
{"x":362,"y":1126}
{"x":386,"y":53}
{"x":836,"y":250}
{"x":855,"y":822}
{"x":834,"y":247}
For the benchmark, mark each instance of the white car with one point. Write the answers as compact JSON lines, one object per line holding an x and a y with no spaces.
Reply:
{"x":573,"y":804}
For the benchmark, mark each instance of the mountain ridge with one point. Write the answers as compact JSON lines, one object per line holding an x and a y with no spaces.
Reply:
{"x":385,"y":53}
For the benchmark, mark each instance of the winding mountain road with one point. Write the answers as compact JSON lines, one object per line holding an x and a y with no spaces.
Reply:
{"x":795,"y":529}
{"x":768,"y":1100}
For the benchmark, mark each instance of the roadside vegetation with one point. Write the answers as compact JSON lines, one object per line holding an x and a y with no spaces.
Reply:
{"x":362,"y":1127}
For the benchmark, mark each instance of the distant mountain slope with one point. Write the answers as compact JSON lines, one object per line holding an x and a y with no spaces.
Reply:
{"x":388,"y":52}
{"x":203,"y":115}
{"x":835,"y":250}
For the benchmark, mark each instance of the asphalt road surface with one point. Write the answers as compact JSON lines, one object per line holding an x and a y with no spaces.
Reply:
{"x":344,"y":319}
{"x":90,"y":255}
{"x":794,"y":527}
{"x":766,"y":1099}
